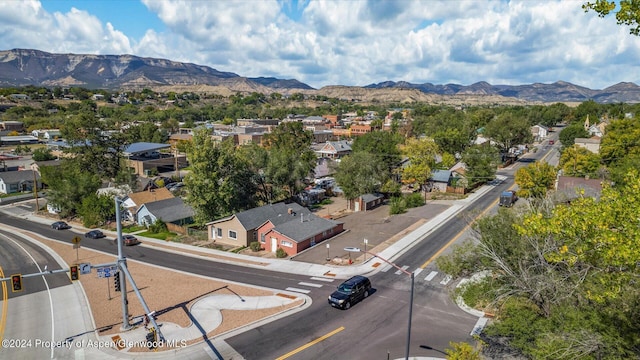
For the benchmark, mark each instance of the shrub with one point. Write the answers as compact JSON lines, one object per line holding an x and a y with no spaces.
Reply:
{"x":397,"y":206}
{"x":255,"y":246}
{"x":414,"y":200}
{"x":280,"y":253}
{"x":158,"y":227}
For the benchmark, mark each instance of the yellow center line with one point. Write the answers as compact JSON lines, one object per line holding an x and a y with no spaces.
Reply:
{"x":442,"y":249}
{"x":309,"y":344}
{"x":5,"y":305}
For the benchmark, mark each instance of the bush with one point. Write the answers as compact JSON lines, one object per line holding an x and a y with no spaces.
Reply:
{"x":397,"y":206}
{"x":414,"y":200}
{"x":280,"y":253}
{"x":255,"y":246}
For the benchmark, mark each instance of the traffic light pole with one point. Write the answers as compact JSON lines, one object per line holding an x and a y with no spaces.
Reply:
{"x":122,"y":265}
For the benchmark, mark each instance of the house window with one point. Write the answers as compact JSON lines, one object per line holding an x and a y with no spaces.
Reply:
{"x":286,"y":243}
{"x":219,"y":232}
{"x":255,"y":235}
{"x":324,"y":233}
{"x":262,"y":240}
{"x":233,"y":235}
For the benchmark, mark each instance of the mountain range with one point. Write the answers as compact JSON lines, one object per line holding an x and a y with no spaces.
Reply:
{"x":23,"y":67}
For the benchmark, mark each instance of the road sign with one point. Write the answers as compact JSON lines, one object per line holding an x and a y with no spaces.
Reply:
{"x":106,"y":271}
{"x":85,"y":268}
{"x":76,"y":240}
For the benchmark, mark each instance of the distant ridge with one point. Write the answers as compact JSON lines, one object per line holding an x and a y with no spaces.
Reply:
{"x":22,"y":67}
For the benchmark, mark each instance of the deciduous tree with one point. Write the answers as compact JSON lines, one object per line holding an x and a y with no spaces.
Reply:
{"x":535,"y":180}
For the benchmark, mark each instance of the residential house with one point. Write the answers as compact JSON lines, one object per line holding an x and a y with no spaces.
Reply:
{"x":12,"y":126}
{"x":174,"y":212}
{"x":592,"y":144}
{"x":241,"y":229}
{"x":539,"y":132}
{"x":439,"y":180}
{"x":570,"y":187}
{"x":335,"y":149}
{"x":366,"y":202}
{"x":97,"y":97}
{"x":135,"y":200}
{"x":294,"y":232}
{"x":19,"y":97}
{"x":18,"y":140}
{"x":18,"y":181}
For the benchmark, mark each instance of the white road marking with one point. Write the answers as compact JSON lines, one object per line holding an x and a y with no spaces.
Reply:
{"x":418,"y":271}
{"x":310,"y":284}
{"x":477,"y":329}
{"x":446,"y":280}
{"x":322,"y":279}
{"x":403,"y":268}
{"x":386,"y":268}
{"x":298,"y":290}
{"x":431,"y":275}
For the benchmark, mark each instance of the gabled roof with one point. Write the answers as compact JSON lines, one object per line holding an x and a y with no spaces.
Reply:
{"x":141,"y":147}
{"x":12,"y":177}
{"x":304,"y":227}
{"x":169,"y":210}
{"x":276,"y":213}
{"x":335,"y":146}
{"x":371,"y":197}
{"x":143,"y":197}
{"x":440,"y":176}
{"x":572,"y":185}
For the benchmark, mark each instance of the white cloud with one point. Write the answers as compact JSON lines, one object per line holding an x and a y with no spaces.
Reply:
{"x":355,"y":42}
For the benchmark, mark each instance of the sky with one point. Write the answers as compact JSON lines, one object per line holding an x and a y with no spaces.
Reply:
{"x":342,"y":42}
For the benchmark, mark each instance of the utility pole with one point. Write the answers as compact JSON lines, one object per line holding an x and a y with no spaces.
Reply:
{"x":122,"y":264}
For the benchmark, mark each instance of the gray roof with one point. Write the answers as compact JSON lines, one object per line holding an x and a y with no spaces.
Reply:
{"x":371,"y":197}
{"x":277,"y":213}
{"x":12,"y":177}
{"x":169,"y":210}
{"x":440,"y":176}
{"x":141,"y":147}
{"x":304,"y":227}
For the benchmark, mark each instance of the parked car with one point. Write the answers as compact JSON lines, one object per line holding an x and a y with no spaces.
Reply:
{"x":350,"y":292}
{"x":128,"y":240}
{"x":60,"y":225}
{"x":551,"y":142}
{"x":94,"y":234}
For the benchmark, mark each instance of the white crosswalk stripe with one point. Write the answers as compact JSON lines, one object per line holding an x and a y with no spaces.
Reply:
{"x":298,"y":290}
{"x":403,"y":268}
{"x":418,"y":271}
{"x":310,"y":284}
{"x":446,"y":280}
{"x":322,"y":279}
{"x":431,"y":275}
{"x":386,"y":268}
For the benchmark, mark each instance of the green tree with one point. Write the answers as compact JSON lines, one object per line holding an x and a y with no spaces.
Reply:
{"x":42,"y":154}
{"x":95,"y":210}
{"x":569,"y":134}
{"x":482,"y":163}
{"x":535,"y":180}
{"x":508,"y":130}
{"x":291,"y":159}
{"x":383,"y":145}
{"x":578,"y":161}
{"x":422,"y":154}
{"x":359,"y":174}
{"x":219,"y":182}
{"x":67,"y":186}
{"x":627,"y":12}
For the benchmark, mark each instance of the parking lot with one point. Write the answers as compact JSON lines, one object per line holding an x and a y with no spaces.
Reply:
{"x":377,"y":226}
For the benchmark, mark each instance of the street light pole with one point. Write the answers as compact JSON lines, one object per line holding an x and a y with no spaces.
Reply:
{"x":411,"y":275}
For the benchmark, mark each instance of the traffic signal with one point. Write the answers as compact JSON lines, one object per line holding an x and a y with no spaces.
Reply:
{"x":151,"y":339}
{"x":116,"y":280}
{"x":16,"y":283}
{"x":73,"y":271}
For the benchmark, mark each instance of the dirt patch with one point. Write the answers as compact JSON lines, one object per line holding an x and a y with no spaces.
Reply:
{"x":170,"y":294}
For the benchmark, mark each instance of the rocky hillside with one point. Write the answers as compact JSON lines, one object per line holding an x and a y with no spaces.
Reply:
{"x":22,"y":67}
